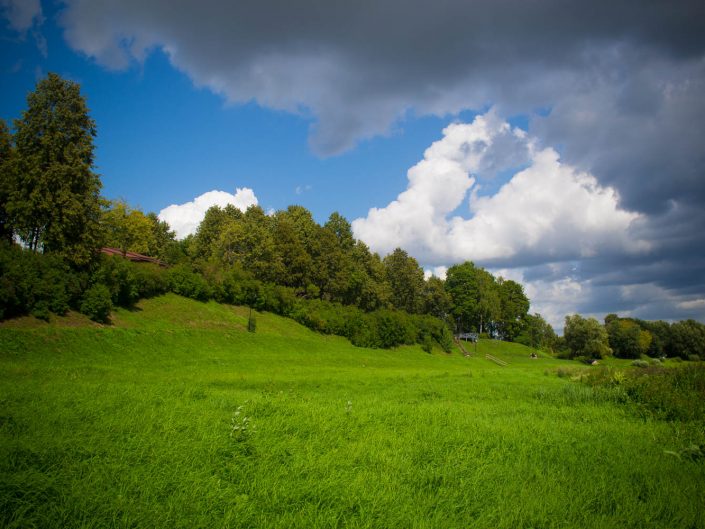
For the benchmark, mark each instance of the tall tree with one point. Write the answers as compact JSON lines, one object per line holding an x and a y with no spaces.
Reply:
{"x":340,"y":226}
{"x":55,"y":200}
{"x":687,"y":339}
{"x":163,"y":243}
{"x":586,"y":337}
{"x":297,"y":263}
{"x":406,"y":280}
{"x":514,"y":306}
{"x":537,"y":333}
{"x":6,"y":180}
{"x":436,"y":301}
{"x":126,"y":228}
{"x":627,"y":338}
{"x":476,"y":302}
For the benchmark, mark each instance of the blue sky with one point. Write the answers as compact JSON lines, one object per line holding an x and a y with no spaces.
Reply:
{"x":162,"y":141}
{"x":564,"y":151}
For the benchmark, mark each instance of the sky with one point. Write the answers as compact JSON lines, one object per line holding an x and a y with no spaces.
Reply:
{"x":559,"y":143}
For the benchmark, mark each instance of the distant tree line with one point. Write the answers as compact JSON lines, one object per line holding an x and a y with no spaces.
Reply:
{"x":588,"y":339}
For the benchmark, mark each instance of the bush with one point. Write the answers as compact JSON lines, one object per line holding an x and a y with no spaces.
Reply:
{"x":665,"y":393}
{"x":150,"y":279}
{"x":694,"y":358}
{"x":117,"y":275}
{"x":640,"y":363}
{"x":35,"y":283}
{"x":427,"y":344}
{"x":97,"y":303}
{"x":251,"y":322}
{"x":185,"y":282}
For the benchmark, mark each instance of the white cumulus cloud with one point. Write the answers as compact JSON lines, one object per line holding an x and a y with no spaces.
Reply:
{"x":547,"y":210}
{"x":185,"y":218}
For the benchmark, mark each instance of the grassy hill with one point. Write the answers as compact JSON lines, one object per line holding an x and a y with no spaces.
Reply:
{"x":176,"y":416}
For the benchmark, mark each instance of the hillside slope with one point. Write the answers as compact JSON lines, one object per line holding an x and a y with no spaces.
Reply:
{"x":176,"y":416}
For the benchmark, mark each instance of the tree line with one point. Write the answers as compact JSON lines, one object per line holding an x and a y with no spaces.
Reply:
{"x":588,"y":339}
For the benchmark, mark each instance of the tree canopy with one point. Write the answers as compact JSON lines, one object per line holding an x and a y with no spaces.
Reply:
{"x":53,"y":201}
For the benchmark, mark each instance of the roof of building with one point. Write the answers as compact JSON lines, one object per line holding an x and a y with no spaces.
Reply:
{"x":132,"y":256}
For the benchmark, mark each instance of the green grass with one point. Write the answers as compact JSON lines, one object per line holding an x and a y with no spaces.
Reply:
{"x":131,"y":426}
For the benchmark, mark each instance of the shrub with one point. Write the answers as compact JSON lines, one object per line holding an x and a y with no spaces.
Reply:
{"x":185,"y":282}
{"x":640,"y":363}
{"x":251,"y":322}
{"x":97,"y":303}
{"x":666,"y":393}
{"x":34,"y":283}
{"x":427,"y":344}
{"x":694,"y":358}
{"x":150,"y":279}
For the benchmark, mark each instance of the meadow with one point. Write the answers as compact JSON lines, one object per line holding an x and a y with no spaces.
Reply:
{"x":176,"y":416}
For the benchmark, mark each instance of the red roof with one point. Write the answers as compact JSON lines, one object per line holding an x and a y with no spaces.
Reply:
{"x":132,"y":256}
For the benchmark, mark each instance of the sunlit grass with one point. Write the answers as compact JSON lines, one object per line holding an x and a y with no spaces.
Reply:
{"x":131,"y":425}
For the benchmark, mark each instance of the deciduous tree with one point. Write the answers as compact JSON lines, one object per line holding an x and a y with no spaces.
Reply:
{"x":586,"y":337}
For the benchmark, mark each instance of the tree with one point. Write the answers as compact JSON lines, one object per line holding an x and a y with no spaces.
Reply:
{"x":297,"y":264}
{"x":537,"y":333}
{"x":660,"y":336}
{"x":436,"y":301}
{"x":687,"y":339}
{"x":476,"y":302}
{"x":6,"y":180}
{"x":204,"y":243}
{"x":586,"y":337}
{"x":163,"y":243}
{"x":364,"y":282}
{"x":626,"y":337}
{"x":406,"y":280}
{"x":128,"y":229}
{"x":514,"y":306}
{"x":54,"y":202}
{"x":340,"y":226}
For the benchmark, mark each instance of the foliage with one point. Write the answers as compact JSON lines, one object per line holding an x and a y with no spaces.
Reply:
{"x":184,"y":281}
{"x":35,"y":283}
{"x":687,"y":338}
{"x":537,"y":333}
{"x":97,"y":303}
{"x":53,"y":202}
{"x":127,"y":229}
{"x":640,"y":363}
{"x":406,"y":281}
{"x":514,"y":307}
{"x":585,"y":337}
{"x":477,"y":304}
{"x":251,"y":322}
{"x":665,"y":393}
{"x":7,"y":179}
{"x":627,"y":339}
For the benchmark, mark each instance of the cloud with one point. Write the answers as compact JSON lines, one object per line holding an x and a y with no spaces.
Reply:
{"x":546,"y":211}
{"x":549,"y":226}
{"x":185,"y":218}
{"x":357,"y":68}
{"x":21,"y":14}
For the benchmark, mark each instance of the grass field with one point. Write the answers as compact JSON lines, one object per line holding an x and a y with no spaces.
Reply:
{"x":175,"y":416}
